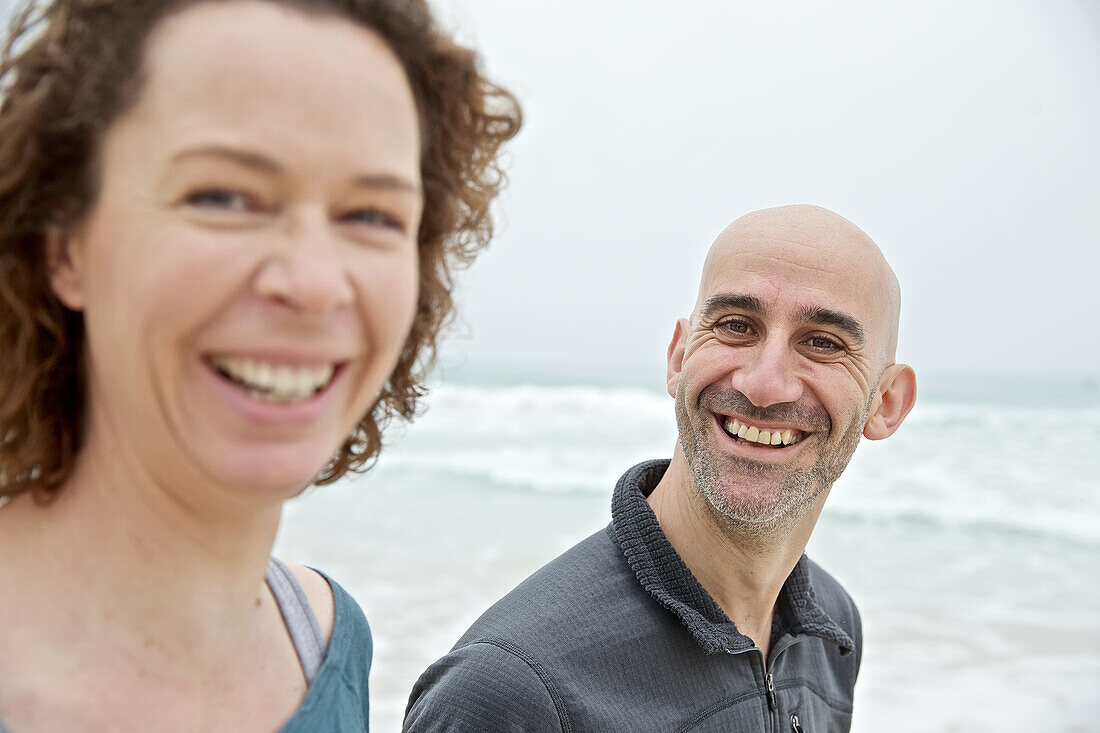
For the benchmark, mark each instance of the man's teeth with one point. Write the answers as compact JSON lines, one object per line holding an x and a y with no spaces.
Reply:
{"x":754,"y":434}
{"x":275,"y":382}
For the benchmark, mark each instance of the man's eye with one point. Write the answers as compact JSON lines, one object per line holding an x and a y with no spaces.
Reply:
{"x":821,"y":343}
{"x":735,"y":326}
{"x":221,"y":198}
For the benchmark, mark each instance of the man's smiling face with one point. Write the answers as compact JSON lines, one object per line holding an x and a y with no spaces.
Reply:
{"x":778,"y":369}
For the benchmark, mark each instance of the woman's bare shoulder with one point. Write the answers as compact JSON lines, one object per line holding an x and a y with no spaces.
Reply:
{"x":319,"y":593}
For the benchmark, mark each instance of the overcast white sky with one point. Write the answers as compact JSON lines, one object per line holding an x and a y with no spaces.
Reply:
{"x":963,"y":137}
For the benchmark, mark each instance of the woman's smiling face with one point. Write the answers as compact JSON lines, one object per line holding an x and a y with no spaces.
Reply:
{"x":248,"y":272}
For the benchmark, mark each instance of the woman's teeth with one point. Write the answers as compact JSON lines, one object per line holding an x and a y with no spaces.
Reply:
{"x":275,"y":382}
{"x":753,"y":434}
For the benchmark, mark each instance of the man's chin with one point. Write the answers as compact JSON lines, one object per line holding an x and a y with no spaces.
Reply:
{"x":754,"y":512}
{"x":749,"y":510}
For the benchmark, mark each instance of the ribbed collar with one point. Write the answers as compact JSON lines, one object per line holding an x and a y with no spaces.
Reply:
{"x":664,"y":575}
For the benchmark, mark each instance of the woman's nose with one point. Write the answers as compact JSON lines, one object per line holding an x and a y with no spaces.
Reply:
{"x":306,"y":270}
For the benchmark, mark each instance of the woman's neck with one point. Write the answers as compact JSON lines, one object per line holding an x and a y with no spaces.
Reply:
{"x":121,"y":556}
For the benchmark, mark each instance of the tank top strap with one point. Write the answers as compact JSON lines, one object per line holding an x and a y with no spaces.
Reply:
{"x":301,"y":622}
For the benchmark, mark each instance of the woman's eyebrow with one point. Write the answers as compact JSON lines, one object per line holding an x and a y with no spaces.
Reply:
{"x":387,"y":181}
{"x":246,"y":158}
{"x":260,"y":162}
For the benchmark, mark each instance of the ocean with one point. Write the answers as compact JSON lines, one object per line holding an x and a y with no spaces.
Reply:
{"x":970,"y":539}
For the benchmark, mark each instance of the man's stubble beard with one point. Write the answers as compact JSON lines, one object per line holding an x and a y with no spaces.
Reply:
{"x":791,"y":491}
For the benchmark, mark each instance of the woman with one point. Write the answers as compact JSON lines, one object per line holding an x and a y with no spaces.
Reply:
{"x":227,"y":235}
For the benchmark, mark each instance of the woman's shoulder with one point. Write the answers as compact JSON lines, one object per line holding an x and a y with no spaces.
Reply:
{"x":320,"y":593}
{"x":339,"y":615}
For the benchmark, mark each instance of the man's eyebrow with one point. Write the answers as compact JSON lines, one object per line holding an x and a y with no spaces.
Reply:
{"x":722,"y":302}
{"x":843,"y":321}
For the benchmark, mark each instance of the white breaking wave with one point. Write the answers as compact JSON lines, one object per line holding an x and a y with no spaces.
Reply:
{"x":1007,"y":469}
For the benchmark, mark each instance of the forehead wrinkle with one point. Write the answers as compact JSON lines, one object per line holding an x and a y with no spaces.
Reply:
{"x":834,"y":255}
{"x":785,"y":261}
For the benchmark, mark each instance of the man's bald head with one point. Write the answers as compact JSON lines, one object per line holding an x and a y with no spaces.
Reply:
{"x":819,"y":241}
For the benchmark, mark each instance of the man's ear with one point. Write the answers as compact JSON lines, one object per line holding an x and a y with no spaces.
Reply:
{"x":65,"y":269}
{"x":675,"y":356}
{"x":896,"y":396}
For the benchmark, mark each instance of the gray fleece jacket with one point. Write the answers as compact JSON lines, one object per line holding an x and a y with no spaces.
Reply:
{"x":618,"y":635}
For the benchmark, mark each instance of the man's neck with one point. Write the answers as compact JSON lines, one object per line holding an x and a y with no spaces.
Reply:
{"x":743,"y":573}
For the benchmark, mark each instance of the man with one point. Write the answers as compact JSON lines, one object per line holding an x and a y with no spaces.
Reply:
{"x":696,"y":608}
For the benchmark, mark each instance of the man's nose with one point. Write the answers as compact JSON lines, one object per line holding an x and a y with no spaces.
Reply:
{"x":306,"y":269}
{"x":768,"y":375}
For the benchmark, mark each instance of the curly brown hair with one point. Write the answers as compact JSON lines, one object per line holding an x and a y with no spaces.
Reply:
{"x":69,"y":69}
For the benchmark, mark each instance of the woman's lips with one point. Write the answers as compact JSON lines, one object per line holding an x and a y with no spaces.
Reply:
{"x":275,"y":381}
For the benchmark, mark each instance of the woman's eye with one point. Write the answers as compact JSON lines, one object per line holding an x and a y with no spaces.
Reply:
{"x":220,"y":198}
{"x":374,"y":218}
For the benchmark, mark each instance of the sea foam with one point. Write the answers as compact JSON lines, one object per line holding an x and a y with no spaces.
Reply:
{"x":1001,"y":468}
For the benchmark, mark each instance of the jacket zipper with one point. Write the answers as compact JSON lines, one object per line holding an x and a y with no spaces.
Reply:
{"x":769,"y":688}
{"x":771,"y":691}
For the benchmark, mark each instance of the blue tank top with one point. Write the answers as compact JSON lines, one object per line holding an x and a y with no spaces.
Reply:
{"x":337,"y":699}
